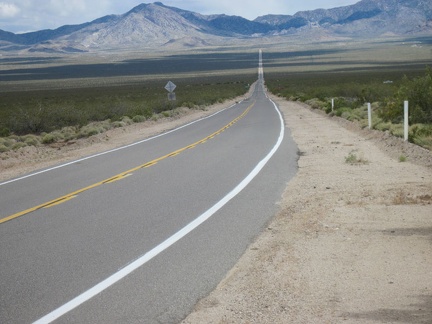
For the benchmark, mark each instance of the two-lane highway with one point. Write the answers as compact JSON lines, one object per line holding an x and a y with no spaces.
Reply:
{"x":141,"y":233}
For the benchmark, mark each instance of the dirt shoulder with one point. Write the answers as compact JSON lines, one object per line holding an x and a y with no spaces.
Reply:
{"x":351,"y":243}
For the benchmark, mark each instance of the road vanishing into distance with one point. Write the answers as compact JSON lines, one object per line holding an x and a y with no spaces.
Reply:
{"x":140,"y":233}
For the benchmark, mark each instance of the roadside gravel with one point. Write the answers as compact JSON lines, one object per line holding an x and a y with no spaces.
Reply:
{"x":352,"y":242}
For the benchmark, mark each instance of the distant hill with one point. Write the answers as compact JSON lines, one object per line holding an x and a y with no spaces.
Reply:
{"x":154,"y":25}
{"x":367,"y":18}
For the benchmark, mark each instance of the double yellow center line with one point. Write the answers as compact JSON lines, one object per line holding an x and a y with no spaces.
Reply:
{"x":124,"y":174}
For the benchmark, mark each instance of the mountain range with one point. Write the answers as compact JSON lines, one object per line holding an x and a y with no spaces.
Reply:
{"x":156,"y":26}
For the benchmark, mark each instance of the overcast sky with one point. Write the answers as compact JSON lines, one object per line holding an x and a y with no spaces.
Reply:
{"x":29,"y":15}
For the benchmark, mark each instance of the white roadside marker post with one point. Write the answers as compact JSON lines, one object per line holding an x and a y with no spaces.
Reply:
{"x":369,"y":115}
{"x":406,"y":122}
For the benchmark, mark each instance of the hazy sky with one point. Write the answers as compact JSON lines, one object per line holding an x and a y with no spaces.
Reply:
{"x":30,"y":15}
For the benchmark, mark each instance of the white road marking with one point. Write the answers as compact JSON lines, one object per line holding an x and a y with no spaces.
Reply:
{"x":85,"y":296}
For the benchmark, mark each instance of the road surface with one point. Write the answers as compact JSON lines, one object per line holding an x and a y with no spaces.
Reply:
{"x":141,"y":233}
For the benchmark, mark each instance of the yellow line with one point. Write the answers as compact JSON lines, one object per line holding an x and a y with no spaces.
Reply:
{"x":147,"y":165}
{"x":117,"y":178}
{"x":122,"y":175}
{"x":60,"y":201}
{"x":173,"y":154}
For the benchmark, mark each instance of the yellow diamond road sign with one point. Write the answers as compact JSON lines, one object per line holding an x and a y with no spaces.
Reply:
{"x":170,"y":86}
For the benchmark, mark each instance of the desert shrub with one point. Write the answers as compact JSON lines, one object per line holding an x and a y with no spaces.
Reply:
{"x":90,"y":130}
{"x":425,"y":141}
{"x":421,"y":134}
{"x":148,"y":113}
{"x":118,"y":123}
{"x":105,"y":125}
{"x":355,"y":87}
{"x":94,"y":128}
{"x":127,"y":120}
{"x":48,"y":138}
{"x":188,"y":104}
{"x":357,"y":114}
{"x":381,"y":125}
{"x":59,"y":136}
{"x":418,"y":130}
{"x":69,"y":132}
{"x":4,"y":148}
{"x":418,"y":92}
{"x":364,"y":123}
{"x":397,"y":130}
{"x":4,"y":132}
{"x":29,"y":121}
{"x":346,"y":111}
{"x":18,"y":145}
{"x":139,"y":119}
{"x":43,"y":111}
{"x":31,"y":140}
{"x":8,"y":142}
{"x":352,"y":90}
{"x":392,"y":111}
{"x":316,"y":103}
{"x":15,"y":142}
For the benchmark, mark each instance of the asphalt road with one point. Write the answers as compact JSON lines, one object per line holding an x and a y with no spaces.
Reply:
{"x":140,"y":234}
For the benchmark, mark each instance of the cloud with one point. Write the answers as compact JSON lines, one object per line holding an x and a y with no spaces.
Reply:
{"x":253,"y":8}
{"x":250,"y":9}
{"x":67,"y":8}
{"x":30,"y":15}
{"x":70,"y":9}
{"x":8,"y":10}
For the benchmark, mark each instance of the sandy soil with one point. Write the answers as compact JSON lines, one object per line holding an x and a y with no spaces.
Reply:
{"x":351,"y":243}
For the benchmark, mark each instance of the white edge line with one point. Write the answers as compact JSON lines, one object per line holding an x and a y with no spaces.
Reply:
{"x":85,"y":296}
{"x":116,"y":149}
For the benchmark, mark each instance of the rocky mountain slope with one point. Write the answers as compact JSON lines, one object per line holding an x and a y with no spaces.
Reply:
{"x":154,"y":25}
{"x":365,"y":18}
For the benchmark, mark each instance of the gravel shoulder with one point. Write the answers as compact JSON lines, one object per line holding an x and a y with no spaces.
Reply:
{"x":351,"y":243}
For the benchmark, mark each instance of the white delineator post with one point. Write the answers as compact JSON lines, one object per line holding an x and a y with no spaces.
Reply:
{"x":369,"y":115}
{"x":406,"y":122}
{"x":332,"y":104}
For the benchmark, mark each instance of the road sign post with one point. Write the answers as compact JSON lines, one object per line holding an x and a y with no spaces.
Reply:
{"x":170,"y":87}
